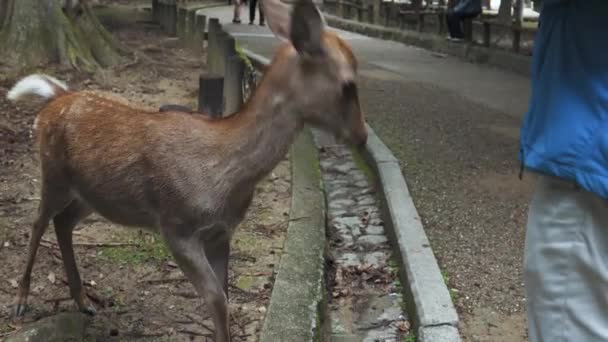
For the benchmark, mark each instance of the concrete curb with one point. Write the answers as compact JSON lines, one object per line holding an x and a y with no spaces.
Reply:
{"x":427,"y":296}
{"x":476,"y":54}
{"x":297,"y":300}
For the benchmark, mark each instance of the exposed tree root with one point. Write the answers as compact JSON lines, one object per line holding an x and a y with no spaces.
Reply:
{"x":38,"y":32}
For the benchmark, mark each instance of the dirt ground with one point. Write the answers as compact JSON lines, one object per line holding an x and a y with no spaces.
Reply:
{"x":136,"y":287}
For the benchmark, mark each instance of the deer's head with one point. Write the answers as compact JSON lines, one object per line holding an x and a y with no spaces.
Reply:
{"x":321,"y":69}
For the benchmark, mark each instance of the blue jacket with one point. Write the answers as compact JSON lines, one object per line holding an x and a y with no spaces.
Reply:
{"x":565,"y":131}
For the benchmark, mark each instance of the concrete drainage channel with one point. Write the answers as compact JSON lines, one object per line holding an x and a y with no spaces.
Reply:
{"x":365,"y":301}
{"x":357,"y":221}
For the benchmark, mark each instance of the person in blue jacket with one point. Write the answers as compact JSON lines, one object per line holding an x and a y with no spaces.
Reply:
{"x":564,"y":139}
{"x":455,"y":16}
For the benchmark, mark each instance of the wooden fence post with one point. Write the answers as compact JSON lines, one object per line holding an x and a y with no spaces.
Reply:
{"x":181,"y":23}
{"x":212,"y":44}
{"x":233,"y":84}
{"x":517,"y":24}
{"x":155,"y":11}
{"x":191,"y":28}
{"x":171,"y":18}
{"x":198,"y":38}
{"x":211,"y":94}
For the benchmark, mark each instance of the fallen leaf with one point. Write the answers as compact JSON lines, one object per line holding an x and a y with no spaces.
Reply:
{"x":403,"y":326}
{"x":14,"y":283}
{"x":52,"y":278}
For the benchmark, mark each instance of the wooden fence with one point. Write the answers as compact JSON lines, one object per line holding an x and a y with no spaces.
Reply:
{"x":486,"y":29}
{"x":227,"y":79}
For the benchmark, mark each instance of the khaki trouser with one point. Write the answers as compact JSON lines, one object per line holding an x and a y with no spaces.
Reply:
{"x":566,"y":264}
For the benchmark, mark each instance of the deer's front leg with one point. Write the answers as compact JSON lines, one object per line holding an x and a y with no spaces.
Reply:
{"x":190,"y":255}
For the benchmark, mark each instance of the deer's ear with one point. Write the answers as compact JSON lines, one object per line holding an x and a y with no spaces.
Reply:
{"x":277,"y":15}
{"x":306,"y":28}
{"x":285,"y":16}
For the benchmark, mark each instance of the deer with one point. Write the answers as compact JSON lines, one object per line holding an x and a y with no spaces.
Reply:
{"x":186,"y":176}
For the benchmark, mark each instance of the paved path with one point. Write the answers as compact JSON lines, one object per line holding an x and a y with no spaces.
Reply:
{"x":454,"y":126}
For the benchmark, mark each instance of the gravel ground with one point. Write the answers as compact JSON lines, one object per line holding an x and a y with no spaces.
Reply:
{"x":460,"y":161}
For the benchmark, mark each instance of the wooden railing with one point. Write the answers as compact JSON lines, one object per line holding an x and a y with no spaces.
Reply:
{"x":486,"y":30}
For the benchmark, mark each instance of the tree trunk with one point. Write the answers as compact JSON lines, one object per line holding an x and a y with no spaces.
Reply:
{"x":504,"y":11}
{"x":38,"y":32}
{"x":4,"y":5}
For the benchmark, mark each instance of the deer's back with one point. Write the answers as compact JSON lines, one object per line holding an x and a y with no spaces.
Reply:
{"x":134,"y":166}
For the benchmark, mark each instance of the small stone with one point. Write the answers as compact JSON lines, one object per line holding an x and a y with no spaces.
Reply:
{"x":361,"y":184}
{"x":365,"y":191}
{"x":14,"y":283}
{"x":374,"y":230}
{"x":335,"y":184}
{"x":347,"y":241}
{"x":60,"y":327}
{"x":333,"y":213}
{"x":341,"y":204}
{"x":52,"y":278}
{"x":7,"y":244}
{"x":343,"y":167}
{"x":325,"y":164}
{"x":262,"y":309}
{"x":348,"y":221}
{"x":338,"y":194}
{"x":376,"y":259}
{"x":367,"y":200}
{"x":372,"y":240}
{"x":349,"y":259}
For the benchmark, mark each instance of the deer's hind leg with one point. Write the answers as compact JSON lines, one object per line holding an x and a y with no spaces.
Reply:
{"x":65,"y":222}
{"x":54,"y":198}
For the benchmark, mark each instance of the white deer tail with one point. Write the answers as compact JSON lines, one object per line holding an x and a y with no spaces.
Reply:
{"x":42,"y":85}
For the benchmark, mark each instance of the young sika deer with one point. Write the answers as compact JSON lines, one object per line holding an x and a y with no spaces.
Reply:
{"x":185,"y":176}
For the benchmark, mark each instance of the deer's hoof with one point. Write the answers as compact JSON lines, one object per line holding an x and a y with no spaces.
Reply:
{"x":89,"y":310}
{"x":19,"y":310}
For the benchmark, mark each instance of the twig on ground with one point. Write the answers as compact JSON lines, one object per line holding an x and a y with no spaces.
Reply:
{"x":142,"y":334}
{"x":58,"y":299}
{"x":199,"y":321}
{"x":278,"y":224}
{"x":8,"y":332}
{"x":53,"y":244}
{"x":193,"y":333}
{"x":163,"y":281}
{"x":257,"y":274}
{"x":188,"y":295}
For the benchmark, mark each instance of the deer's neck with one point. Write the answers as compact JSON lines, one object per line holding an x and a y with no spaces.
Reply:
{"x":266,"y":128}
